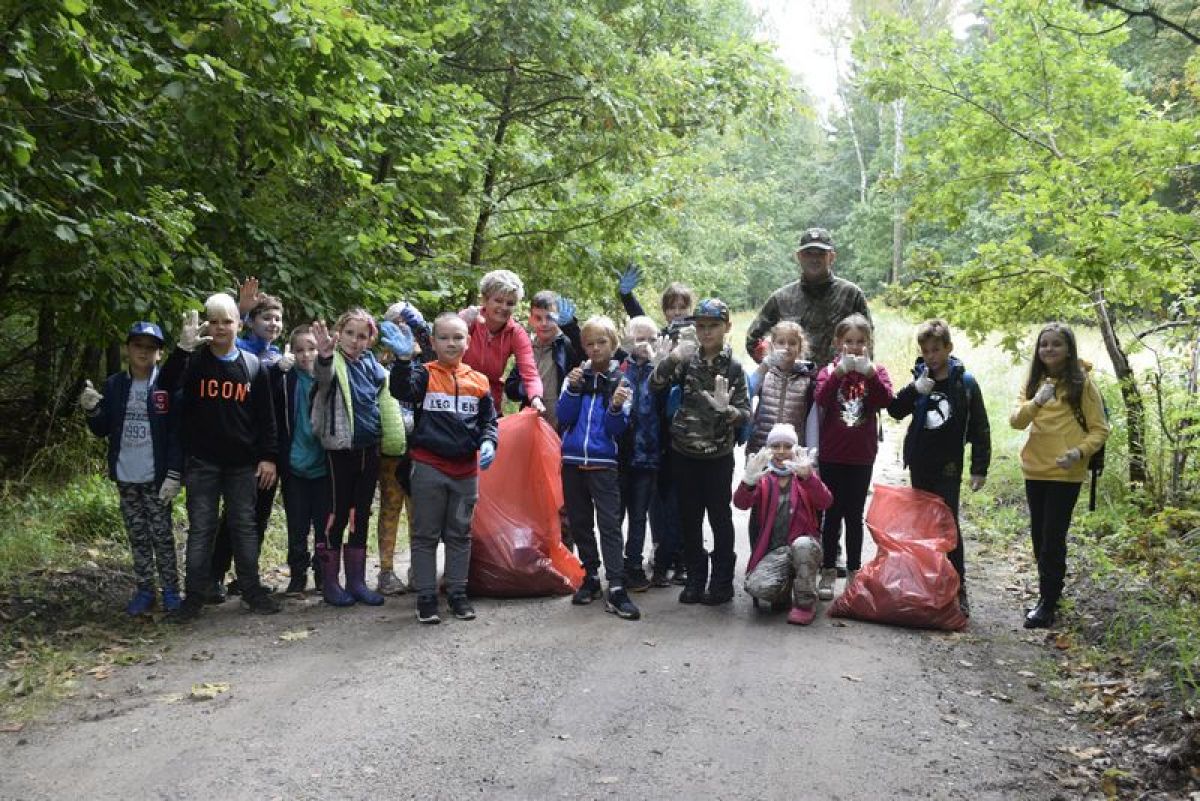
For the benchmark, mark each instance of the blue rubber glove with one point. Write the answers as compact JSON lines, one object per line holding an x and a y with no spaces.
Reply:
{"x":411,"y":316}
{"x":487,"y":454}
{"x":397,"y":339}
{"x":566,"y":311}
{"x":629,"y":280}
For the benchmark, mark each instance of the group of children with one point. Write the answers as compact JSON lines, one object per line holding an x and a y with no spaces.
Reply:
{"x":649,"y":421}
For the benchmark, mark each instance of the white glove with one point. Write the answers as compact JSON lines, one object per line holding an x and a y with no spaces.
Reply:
{"x":469,"y":315}
{"x":1045,"y":393}
{"x":924,"y":384}
{"x":487,"y":454}
{"x":688,"y":345}
{"x":801,"y":463}
{"x":662,"y":349}
{"x":169,"y":489}
{"x":1069,"y":458}
{"x":287,"y":360}
{"x":845,"y":364}
{"x":719,"y":397}
{"x":89,"y":398}
{"x":862,"y":364}
{"x":192,"y":334}
{"x":774,"y":357}
{"x":756,"y":467}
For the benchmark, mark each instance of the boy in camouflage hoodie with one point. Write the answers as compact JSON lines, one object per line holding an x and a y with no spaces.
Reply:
{"x":713,"y":404}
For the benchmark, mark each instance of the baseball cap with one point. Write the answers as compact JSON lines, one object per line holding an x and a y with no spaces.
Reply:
{"x":145,"y":329}
{"x":712,"y":308}
{"x":816,"y":238}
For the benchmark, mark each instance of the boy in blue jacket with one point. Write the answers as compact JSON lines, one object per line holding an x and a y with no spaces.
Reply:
{"x":593,"y":411}
{"x":144,"y":459}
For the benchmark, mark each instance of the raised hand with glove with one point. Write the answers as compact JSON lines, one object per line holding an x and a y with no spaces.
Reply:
{"x":288,"y":360}
{"x":756,"y":467}
{"x":720,"y":396}
{"x":89,"y":398}
{"x":192,"y":333}
{"x":628,"y":281}
{"x":397,"y":338}
{"x":566,"y":311}
{"x":924,"y":383}
{"x":1045,"y":393}
{"x":688,"y":344}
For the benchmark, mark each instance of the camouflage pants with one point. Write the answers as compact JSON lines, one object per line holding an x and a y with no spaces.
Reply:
{"x":392,"y":500}
{"x":788,"y":569}
{"x":148,"y":522}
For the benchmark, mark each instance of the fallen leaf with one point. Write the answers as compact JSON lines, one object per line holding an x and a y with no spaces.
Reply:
{"x":11,"y":728}
{"x":101,"y":672}
{"x":208,"y":690}
{"x":1027,"y":674}
{"x":291,"y":636}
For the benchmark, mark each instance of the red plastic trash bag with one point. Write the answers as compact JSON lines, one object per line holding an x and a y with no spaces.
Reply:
{"x":516,"y":547}
{"x":910,"y":582}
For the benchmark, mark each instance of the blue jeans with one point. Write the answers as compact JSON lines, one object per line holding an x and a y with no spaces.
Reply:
{"x":637,"y":488}
{"x":207,"y":485}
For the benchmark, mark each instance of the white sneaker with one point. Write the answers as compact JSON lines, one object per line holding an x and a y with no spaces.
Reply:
{"x":825,"y":585}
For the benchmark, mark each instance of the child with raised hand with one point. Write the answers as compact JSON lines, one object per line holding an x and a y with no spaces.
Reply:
{"x":640,"y":455}
{"x":1064,"y":412}
{"x":303,"y":470}
{"x":851,"y":391}
{"x":453,"y":437}
{"x":395,"y":466}
{"x":703,"y":433}
{"x":593,"y":411}
{"x":947,"y":413}
{"x":349,"y":425}
{"x":781,"y":484}
{"x":144,"y":459}
{"x":554,"y":337}
{"x":230,"y":446}
{"x":676,"y":302}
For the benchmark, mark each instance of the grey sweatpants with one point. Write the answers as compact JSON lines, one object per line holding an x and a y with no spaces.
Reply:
{"x":796,"y":565}
{"x":441,"y":511}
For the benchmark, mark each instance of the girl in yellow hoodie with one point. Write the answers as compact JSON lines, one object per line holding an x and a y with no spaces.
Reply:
{"x":1063,"y":410}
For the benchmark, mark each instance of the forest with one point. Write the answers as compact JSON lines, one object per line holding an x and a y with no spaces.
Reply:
{"x":998,"y":163}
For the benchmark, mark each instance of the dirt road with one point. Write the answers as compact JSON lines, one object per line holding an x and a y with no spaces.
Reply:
{"x":538,"y":699}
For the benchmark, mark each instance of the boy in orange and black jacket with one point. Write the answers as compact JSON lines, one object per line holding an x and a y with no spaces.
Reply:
{"x":454,"y":436}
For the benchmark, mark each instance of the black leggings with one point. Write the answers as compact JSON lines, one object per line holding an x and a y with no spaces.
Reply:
{"x":353,"y":475}
{"x":849,"y":484}
{"x":1051,"y":504}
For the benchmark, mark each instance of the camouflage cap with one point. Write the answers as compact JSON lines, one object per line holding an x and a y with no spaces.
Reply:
{"x":816,"y":238}
{"x":713,"y":309}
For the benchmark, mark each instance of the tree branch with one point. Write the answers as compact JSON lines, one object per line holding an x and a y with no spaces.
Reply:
{"x":1149,"y":13}
{"x":588,"y":224}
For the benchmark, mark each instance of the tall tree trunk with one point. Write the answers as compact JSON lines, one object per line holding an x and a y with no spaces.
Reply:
{"x":486,"y":201}
{"x":1135,"y":408}
{"x":897,"y":197}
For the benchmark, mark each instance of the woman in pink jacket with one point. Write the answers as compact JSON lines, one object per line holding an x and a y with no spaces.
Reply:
{"x":789,"y":496}
{"x":496,"y":336}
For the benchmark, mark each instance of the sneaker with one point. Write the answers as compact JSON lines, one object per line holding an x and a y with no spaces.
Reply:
{"x":427,"y":609}
{"x":588,"y":591}
{"x":801,"y":616}
{"x":460,"y":606}
{"x":636,"y":581}
{"x":964,"y":604}
{"x":296,"y":585}
{"x":619,"y":604}
{"x":188,"y":611}
{"x":390,"y":584}
{"x":171,"y":600}
{"x":659,"y":579}
{"x":825,"y":585}
{"x":260,"y":603}
{"x":142,"y":603}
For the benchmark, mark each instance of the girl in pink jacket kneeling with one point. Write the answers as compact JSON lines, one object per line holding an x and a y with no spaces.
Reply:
{"x":789,"y":496}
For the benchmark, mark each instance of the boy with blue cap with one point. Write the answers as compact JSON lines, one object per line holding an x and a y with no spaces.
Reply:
{"x":144,"y":459}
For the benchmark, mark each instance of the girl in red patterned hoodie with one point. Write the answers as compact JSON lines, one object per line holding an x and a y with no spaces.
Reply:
{"x":851,"y":392}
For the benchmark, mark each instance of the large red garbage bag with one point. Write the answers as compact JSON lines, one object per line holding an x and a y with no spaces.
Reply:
{"x":910,"y":582}
{"x":516,"y":547}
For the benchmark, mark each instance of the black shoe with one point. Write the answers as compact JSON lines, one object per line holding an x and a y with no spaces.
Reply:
{"x":233,"y":587}
{"x":691,"y":595}
{"x":679,"y":577}
{"x":427,"y":609}
{"x":260,"y":603}
{"x":1041,"y":616}
{"x":964,"y":604}
{"x":296,"y":585}
{"x":215,"y":594}
{"x":460,"y":606}
{"x":636,"y":581}
{"x":588,"y":591}
{"x":619,"y":604}
{"x":718,"y":595}
{"x":188,"y":611}
{"x":659,"y":579}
